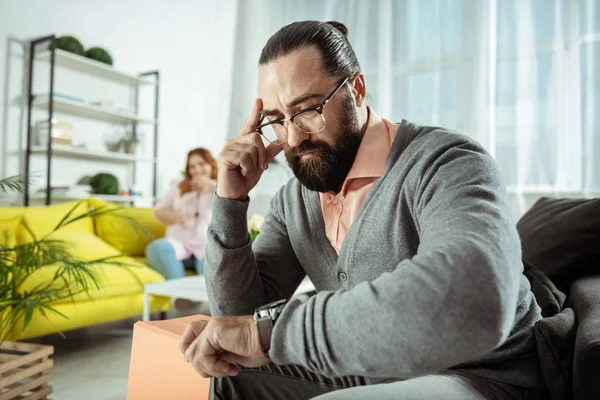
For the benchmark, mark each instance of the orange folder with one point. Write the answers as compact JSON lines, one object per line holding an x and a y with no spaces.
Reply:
{"x":157,"y":369}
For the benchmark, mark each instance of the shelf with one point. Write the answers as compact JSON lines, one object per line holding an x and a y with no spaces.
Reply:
{"x":108,"y":197}
{"x":92,"y":67}
{"x":82,"y":110}
{"x":89,"y":154}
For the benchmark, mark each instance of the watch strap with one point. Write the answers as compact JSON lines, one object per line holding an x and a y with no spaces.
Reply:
{"x":265,"y":331}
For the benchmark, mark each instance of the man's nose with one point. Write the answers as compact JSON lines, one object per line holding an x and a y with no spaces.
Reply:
{"x":295,"y":135}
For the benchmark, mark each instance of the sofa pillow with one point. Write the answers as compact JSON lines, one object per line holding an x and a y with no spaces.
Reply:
{"x":562,"y":238}
{"x":112,"y":280}
{"x":85,"y":246}
{"x":8,"y":231}
{"x":42,"y":220}
{"x":129,"y":229}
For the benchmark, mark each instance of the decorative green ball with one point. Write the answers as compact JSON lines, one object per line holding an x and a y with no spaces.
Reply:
{"x":70,"y":44}
{"x":104,"y":183}
{"x":99,"y":54}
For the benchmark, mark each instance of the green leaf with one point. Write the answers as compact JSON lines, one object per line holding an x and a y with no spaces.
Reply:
{"x":28,"y":315}
{"x":66,"y":217}
{"x":54,"y":310}
{"x":13,"y":183}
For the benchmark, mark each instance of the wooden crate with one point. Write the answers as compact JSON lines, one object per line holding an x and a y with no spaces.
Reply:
{"x":25,"y":370}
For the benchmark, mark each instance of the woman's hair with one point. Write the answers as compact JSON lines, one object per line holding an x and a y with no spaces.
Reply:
{"x":331,"y":38}
{"x":184,"y":187}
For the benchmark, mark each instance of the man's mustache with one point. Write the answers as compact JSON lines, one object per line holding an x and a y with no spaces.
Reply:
{"x":306,"y":147}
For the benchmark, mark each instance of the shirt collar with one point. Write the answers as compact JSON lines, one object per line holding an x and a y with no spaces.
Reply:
{"x":371,"y":158}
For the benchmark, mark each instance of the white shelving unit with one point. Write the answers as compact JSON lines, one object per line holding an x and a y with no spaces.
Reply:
{"x":55,"y":102}
{"x":89,"y":154}
{"x":83,"y":110}
{"x":91,"y":67}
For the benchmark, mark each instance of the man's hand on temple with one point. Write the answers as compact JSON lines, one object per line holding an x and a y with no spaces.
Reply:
{"x":243,"y":159}
{"x":214,"y":346}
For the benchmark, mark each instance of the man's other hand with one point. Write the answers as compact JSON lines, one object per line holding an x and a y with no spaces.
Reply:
{"x":213,"y":347}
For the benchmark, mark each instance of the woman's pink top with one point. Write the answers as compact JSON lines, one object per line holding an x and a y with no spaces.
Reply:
{"x":189,"y":239}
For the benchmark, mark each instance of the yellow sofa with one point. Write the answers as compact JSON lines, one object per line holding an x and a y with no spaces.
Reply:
{"x":121,"y":294}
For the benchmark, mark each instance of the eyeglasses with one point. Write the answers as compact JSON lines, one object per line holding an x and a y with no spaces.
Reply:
{"x":309,"y":120}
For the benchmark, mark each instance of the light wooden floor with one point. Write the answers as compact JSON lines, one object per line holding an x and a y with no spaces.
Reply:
{"x":93,"y":363}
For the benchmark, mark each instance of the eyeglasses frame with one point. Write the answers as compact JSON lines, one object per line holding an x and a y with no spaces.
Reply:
{"x":318,"y":107}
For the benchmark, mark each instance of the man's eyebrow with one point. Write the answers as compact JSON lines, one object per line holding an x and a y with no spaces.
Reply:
{"x":298,"y":100}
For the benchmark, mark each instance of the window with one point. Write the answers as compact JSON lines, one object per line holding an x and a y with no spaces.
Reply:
{"x":589,"y":45}
{"x":519,"y":76}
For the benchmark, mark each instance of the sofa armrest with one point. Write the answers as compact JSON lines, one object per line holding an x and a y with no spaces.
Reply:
{"x":585,"y":300}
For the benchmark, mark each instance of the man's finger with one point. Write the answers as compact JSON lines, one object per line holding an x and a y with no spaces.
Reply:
{"x":247,"y":163}
{"x":207,"y":354}
{"x":191,"y":332}
{"x":257,"y":142}
{"x":233,"y":358}
{"x":253,"y":118}
{"x":271,"y":151}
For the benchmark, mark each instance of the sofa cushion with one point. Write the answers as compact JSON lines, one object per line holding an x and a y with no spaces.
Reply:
{"x":8,"y":216}
{"x":8,"y":230}
{"x":42,"y":220}
{"x":139,"y":259}
{"x":112,"y":280}
{"x":555,"y":341}
{"x":129,"y":229}
{"x":562,"y":238}
{"x":585,"y":300}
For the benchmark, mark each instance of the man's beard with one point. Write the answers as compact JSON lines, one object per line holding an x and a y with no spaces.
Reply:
{"x":328,"y":167}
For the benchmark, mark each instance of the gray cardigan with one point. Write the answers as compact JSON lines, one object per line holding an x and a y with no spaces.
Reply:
{"x":429,"y":276}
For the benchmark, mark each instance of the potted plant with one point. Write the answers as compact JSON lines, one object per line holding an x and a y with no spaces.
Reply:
{"x":130,"y":144}
{"x":123,"y":140}
{"x":23,"y":366}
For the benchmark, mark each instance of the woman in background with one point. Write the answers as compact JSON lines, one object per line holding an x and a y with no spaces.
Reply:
{"x":186,"y":209}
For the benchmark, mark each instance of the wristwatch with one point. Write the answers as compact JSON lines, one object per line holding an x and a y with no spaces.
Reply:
{"x":264,"y":318}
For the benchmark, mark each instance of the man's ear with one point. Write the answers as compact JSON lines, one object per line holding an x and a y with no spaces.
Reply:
{"x":359,"y":88}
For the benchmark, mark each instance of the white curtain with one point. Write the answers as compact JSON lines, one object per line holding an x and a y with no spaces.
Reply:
{"x":519,"y":76}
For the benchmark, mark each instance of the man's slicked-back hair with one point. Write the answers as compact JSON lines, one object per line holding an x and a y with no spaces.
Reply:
{"x":331,"y":38}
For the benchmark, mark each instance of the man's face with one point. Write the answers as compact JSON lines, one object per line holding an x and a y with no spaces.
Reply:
{"x":321,"y":161}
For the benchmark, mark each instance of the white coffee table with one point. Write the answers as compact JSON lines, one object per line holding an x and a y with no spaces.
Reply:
{"x":193,"y":288}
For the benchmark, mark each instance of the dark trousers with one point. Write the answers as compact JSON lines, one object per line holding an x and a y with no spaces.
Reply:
{"x":291,"y":382}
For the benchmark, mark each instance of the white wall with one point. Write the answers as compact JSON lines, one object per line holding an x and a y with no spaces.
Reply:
{"x":191,"y":43}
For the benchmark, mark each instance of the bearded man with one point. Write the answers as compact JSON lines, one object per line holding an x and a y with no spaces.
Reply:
{"x":403,"y":229}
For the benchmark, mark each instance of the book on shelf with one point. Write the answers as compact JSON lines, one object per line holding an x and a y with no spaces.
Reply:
{"x":61,"y":132}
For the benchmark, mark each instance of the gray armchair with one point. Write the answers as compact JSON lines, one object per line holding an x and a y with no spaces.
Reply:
{"x":584,"y":298}
{"x":561,"y":253}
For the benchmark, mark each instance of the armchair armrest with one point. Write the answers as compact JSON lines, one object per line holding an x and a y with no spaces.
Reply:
{"x":585,"y":301}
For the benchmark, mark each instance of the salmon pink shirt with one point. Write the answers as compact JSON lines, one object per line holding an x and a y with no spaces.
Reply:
{"x":340,"y":209}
